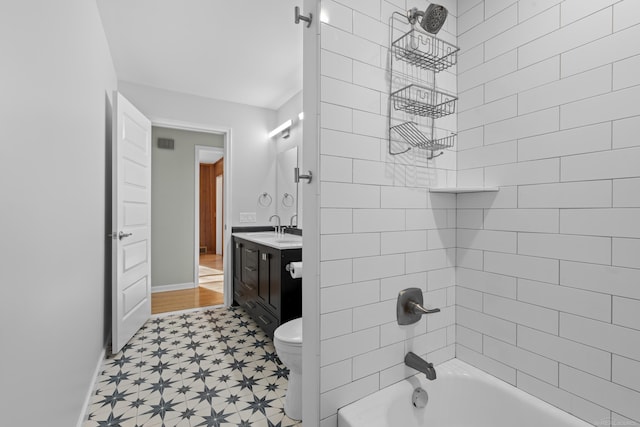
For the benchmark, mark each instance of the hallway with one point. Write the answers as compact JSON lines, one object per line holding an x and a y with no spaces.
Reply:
{"x":208,"y":293}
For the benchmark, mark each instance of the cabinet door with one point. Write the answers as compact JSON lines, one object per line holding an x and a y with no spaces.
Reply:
{"x":265,"y":279}
{"x":275,"y":281}
{"x":269,"y":284}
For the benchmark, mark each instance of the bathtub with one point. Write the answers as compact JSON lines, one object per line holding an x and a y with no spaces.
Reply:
{"x":461,"y":396}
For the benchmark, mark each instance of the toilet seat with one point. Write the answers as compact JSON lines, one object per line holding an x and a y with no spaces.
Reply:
{"x":289,"y":333}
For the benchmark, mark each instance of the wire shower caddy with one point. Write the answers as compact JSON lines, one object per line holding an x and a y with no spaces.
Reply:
{"x":414,"y":100}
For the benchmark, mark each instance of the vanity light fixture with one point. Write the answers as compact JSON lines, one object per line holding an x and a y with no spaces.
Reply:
{"x":283,"y":129}
{"x":301,"y":115}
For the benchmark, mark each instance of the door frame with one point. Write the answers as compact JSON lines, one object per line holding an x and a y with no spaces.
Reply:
{"x":196,"y":258}
{"x":226,"y":133}
{"x":311,"y":346}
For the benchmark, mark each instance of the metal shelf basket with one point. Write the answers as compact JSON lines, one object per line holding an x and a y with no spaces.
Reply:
{"x":424,"y":101}
{"x":425,"y":51}
{"x":411,"y":134}
{"x":415,"y":101}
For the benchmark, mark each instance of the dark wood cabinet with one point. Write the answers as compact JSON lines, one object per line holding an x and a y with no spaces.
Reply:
{"x":263,"y":286}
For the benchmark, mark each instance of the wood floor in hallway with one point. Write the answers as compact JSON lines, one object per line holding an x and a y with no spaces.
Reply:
{"x":208,"y":293}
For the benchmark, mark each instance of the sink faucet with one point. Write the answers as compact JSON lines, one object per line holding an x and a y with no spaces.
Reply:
{"x":277,"y":227}
{"x":291,"y":220}
{"x":416,"y":362}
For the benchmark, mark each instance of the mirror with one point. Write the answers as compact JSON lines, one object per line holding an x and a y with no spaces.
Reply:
{"x":286,"y":188}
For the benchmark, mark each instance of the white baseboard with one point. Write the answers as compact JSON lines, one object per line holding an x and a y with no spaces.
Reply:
{"x":175,"y":287}
{"x":92,"y":386}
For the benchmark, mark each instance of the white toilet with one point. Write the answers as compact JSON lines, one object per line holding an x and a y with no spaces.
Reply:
{"x":287,"y":340}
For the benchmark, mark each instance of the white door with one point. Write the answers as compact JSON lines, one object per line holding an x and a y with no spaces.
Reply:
{"x":131,"y":225}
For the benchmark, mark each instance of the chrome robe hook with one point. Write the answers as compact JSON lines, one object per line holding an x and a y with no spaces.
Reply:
{"x":298,"y":17}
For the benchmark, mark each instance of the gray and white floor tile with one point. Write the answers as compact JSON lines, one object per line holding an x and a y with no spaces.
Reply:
{"x":205,"y":368}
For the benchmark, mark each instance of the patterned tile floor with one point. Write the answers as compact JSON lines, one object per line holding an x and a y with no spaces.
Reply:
{"x":206,"y":368}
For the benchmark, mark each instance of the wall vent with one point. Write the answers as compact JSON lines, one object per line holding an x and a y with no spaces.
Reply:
{"x":165,"y":143}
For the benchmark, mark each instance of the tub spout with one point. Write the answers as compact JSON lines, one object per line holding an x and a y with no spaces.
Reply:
{"x":416,"y":362}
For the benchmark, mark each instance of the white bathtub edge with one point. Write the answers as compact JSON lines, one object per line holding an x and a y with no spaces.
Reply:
{"x":372,"y":406}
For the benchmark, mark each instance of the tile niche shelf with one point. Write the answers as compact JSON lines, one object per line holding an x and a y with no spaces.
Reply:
{"x":458,"y":190}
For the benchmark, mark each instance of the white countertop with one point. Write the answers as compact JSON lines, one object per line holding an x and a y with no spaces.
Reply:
{"x":269,"y":238}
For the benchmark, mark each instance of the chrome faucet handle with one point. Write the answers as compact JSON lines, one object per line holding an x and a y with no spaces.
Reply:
{"x":419,"y":309}
{"x":409,"y":308}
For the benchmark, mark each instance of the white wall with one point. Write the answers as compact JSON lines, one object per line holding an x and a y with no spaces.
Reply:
{"x":380,"y":229}
{"x":173,"y":199}
{"x":252,"y":152}
{"x":549,"y":267}
{"x":57,"y":78}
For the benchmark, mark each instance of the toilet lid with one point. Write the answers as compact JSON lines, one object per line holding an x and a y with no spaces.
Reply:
{"x":290,"y":332}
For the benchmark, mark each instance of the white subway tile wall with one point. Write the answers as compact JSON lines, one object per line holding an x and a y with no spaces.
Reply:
{"x":381,"y":229}
{"x":538,"y":284}
{"x":548,"y":269}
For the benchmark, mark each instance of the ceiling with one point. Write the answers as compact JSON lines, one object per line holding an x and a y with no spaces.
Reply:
{"x":245,"y":51}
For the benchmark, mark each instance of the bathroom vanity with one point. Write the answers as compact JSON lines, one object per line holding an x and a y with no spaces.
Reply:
{"x":262,"y":284}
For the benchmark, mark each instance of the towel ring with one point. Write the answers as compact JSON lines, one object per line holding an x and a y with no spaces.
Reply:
{"x":288,"y":200}
{"x":264,"y":200}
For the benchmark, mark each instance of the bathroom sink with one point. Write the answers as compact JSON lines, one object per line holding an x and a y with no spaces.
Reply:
{"x":272,"y":236}
{"x":263,"y":234}
{"x":288,"y":240}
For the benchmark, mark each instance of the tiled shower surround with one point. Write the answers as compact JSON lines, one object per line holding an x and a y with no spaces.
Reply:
{"x":540,"y":282}
{"x":381,"y":229}
{"x":548,"y":269}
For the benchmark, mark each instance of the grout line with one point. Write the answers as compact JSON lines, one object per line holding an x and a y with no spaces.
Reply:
{"x":612,"y":125}
{"x":611,"y":257}
{"x":612,"y":19}
{"x":611,"y":366}
{"x":612,"y":195}
{"x":611,"y":302}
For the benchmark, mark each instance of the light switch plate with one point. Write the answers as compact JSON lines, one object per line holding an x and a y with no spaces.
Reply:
{"x":247,"y":217}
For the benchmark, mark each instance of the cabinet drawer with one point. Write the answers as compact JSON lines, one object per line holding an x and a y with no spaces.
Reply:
{"x":250,"y":276}
{"x":250,"y":256}
{"x":249,"y":290}
{"x":250,"y":306}
{"x":243,"y":291}
{"x":239,"y":296}
{"x":250,"y":265}
{"x":265,"y":319}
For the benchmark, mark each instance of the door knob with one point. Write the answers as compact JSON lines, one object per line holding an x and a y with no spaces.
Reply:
{"x":122,"y":235}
